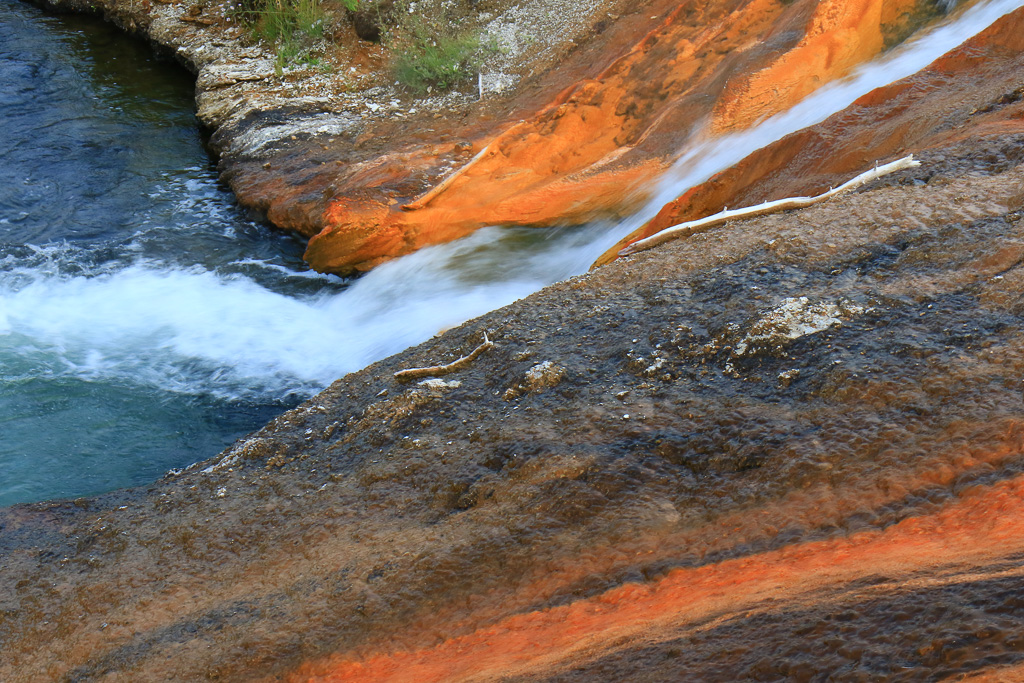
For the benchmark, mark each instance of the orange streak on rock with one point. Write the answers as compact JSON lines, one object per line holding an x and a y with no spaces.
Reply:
{"x":810,"y":507}
{"x":841,"y":34}
{"x":1005,"y":674}
{"x":986,"y":524}
{"x":911,"y":115}
{"x":591,"y":154}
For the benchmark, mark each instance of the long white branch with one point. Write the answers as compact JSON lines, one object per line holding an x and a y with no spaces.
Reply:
{"x":701,"y":224}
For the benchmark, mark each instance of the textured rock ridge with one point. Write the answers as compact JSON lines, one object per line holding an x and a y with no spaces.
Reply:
{"x":971,"y":92}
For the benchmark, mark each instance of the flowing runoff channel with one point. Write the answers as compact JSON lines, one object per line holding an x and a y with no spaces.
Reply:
{"x":156,"y":330}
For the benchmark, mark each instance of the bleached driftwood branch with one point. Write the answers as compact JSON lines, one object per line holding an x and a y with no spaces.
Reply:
{"x":436,"y":370}
{"x":691,"y":227}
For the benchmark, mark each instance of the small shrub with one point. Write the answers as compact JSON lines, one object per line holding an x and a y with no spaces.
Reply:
{"x":427,"y":56}
{"x":282,"y":19}
{"x":284,"y":23}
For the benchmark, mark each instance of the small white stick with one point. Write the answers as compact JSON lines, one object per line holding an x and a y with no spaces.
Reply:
{"x":480,"y":82}
{"x":701,"y":224}
{"x":435,"y":370}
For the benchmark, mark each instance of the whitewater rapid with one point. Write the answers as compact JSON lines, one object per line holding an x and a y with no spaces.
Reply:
{"x":196,"y":330}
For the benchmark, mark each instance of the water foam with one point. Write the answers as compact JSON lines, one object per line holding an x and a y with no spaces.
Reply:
{"x":201,"y":331}
{"x":204,"y":329}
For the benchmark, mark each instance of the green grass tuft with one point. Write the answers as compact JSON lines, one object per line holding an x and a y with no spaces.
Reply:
{"x":288,"y":25}
{"x":428,"y":58}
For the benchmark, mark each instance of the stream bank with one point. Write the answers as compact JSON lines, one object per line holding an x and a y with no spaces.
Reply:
{"x":580,"y":130}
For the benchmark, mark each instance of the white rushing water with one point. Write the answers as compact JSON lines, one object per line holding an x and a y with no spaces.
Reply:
{"x":201,"y":330}
{"x":196,"y":330}
{"x":703,"y":157}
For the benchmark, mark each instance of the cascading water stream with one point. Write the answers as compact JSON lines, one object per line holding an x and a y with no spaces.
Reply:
{"x":705,"y":156}
{"x":145,"y":322}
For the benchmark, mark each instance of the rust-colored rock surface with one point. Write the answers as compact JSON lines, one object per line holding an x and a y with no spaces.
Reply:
{"x":789,"y":448}
{"x":834,"y":580}
{"x":367,"y":179}
{"x":973,"y":91}
{"x":594,"y":151}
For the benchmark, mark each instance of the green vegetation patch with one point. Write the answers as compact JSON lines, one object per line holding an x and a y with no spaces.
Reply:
{"x":427,"y":56}
{"x":288,"y":25}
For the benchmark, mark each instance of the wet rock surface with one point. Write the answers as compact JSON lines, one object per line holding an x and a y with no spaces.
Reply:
{"x":787,"y":448}
{"x":668,"y":507}
{"x":967,"y":93}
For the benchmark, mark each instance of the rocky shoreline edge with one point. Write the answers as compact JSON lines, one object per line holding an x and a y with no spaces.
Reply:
{"x":284,"y":137}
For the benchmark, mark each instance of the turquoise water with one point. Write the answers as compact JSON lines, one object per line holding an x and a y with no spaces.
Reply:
{"x":102,"y":172}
